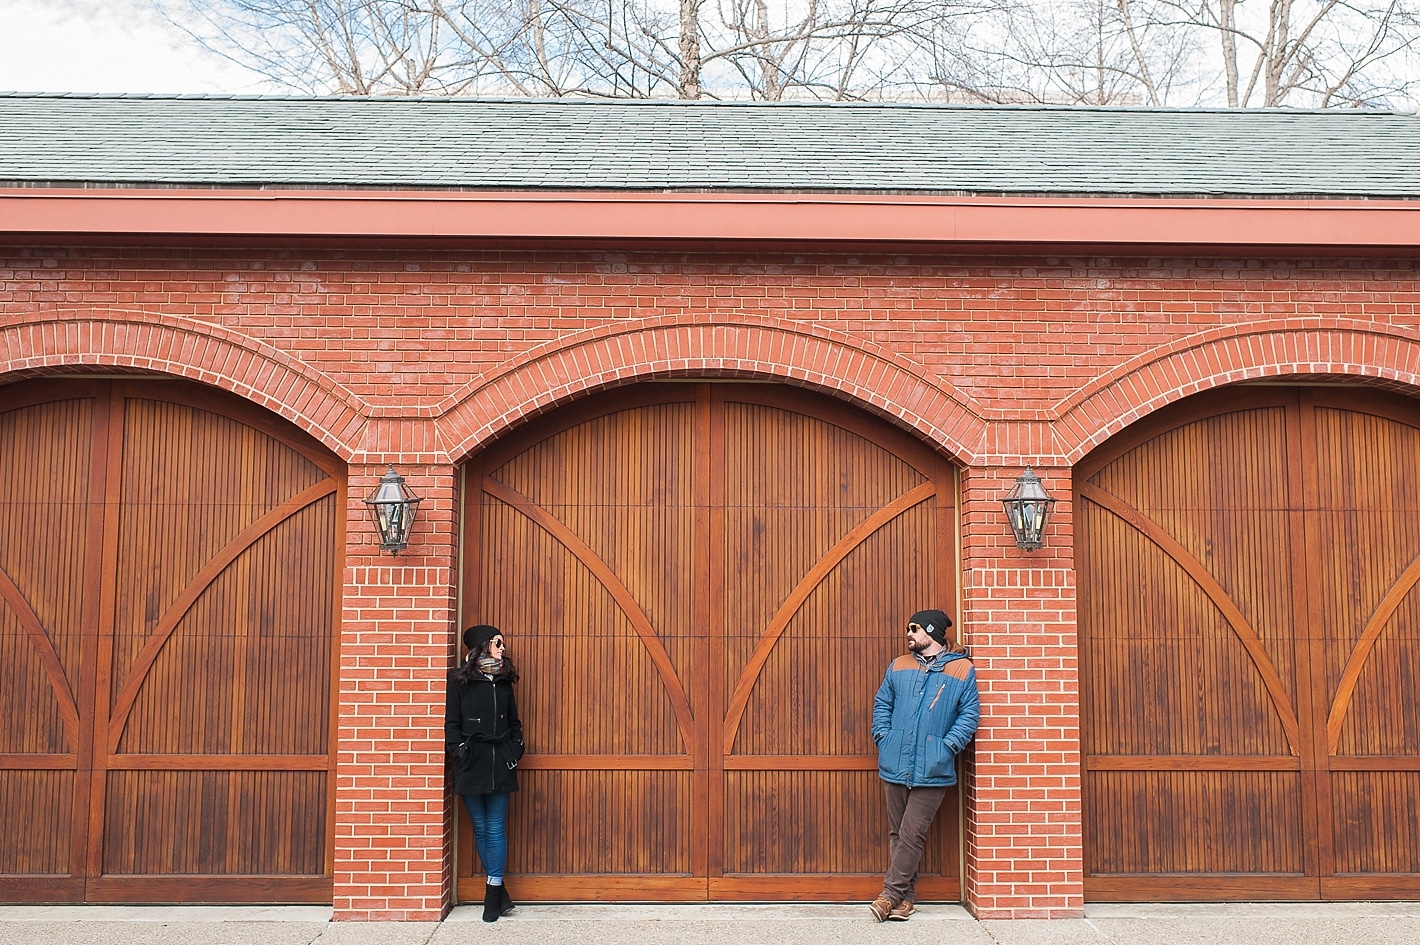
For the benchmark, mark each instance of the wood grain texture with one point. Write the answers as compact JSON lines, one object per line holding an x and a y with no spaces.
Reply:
{"x":671,"y":553}
{"x":36,"y":839}
{"x":194,"y":536}
{"x":805,"y":586}
{"x":1253,"y":550}
{"x":45,"y":565}
{"x":619,"y":593}
{"x":42,"y":648}
{"x":42,"y":569}
{"x":1192,"y":763}
{"x":1379,"y":621}
{"x":213,"y":568}
{"x":1217,"y":597}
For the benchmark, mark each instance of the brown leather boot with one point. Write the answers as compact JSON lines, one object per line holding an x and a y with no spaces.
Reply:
{"x":882,"y":907}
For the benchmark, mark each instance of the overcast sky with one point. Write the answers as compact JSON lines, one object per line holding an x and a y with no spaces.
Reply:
{"x":106,"y":46}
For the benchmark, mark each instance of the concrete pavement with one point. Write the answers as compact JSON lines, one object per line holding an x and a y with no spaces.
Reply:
{"x":1104,"y":924}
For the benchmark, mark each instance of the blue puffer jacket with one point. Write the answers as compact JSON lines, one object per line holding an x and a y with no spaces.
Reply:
{"x":924,"y":716}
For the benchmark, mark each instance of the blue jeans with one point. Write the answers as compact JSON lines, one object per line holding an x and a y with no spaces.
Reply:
{"x":489,"y":813}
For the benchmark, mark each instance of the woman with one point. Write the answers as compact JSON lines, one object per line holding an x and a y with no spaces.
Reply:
{"x":485,"y":738}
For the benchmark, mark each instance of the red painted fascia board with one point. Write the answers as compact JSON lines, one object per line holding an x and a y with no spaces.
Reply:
{"x":799,"y":218}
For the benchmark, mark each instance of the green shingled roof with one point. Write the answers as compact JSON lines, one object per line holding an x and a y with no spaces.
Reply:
{"x":466,"y":143}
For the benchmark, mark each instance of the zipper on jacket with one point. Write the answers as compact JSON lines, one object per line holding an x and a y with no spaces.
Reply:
{"x":927,"y":678}
{"x":493,"y":774}
{"x":916,"y":729}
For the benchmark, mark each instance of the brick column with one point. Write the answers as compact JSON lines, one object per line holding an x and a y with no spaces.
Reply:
{"x":393,"y":826}
{"x":1023,"y":838}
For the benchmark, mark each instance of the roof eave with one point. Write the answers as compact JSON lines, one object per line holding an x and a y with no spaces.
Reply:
{"x":30,"y":213}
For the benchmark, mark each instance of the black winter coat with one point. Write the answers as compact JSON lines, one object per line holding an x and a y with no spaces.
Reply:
{"x":485,"y":713}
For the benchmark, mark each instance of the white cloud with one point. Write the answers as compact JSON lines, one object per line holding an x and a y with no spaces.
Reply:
{"x":107,"y":46}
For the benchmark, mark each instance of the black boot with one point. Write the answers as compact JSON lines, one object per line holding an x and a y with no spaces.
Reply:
{"x":505,"y":901}
{"x":491,"y":896}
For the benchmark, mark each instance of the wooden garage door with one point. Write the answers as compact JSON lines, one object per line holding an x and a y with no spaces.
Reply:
{"x":1250,"y":649}
{"x":168,"y":559}
{"x":703,"y":584}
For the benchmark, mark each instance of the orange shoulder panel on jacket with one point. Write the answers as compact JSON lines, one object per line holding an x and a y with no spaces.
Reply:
{"x":958,"y":668}
{"x":905,"y":661}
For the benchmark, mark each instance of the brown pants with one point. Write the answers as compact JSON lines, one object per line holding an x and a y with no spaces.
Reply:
{"x":910,"y":813}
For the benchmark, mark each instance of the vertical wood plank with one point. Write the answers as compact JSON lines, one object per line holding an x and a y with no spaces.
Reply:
{"x":1347,"y":509}
{"x":1310,"y":560}
{"x":712,"y":400}
{"x":708,"y":586}
{"x":243,"y":685}
{"x":104,"y":623}
{"x":47,"y":565}
{"x":708,"y":574}
{"x":1163,"y":674}
{"x":1365,"y":512}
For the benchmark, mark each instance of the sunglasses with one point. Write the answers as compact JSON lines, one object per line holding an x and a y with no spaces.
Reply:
{"x":915,"y":628}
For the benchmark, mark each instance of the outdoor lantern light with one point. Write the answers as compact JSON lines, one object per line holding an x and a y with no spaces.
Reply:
{"x":1028,"y":508}
{"x":392,"y":510}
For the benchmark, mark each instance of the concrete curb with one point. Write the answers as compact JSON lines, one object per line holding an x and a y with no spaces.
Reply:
{"x":1351,"y":923}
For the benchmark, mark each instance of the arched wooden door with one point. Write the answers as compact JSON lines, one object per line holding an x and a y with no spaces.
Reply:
{"x":704,"y":584}
{"x":1250,"y":649}
{"x":168,"y":567}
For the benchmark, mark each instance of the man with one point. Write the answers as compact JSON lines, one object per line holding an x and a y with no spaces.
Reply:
{"x":924,"y":714}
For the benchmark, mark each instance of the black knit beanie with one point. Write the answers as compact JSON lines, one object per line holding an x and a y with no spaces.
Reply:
{"x":476,"y":636}
{"x":934,"y":622}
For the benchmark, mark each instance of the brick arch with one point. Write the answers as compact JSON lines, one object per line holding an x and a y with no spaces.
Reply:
{"x":745,"y":347}
{"x":1275,"y":348}
{"x":186,"y":348}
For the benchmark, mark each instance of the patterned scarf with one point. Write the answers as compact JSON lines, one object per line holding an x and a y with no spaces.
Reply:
{"x":489,"y":666}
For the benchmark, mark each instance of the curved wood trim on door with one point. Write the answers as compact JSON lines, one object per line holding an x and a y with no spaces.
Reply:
{"x":179,"y":608}
{"x":1214,"y":403}
{"x":48,"y":657}
{"x":592,"y":562}
{"x":1376,"y":404}
{"x":19,"y":396}
{"x":1356,"y":662}
{"x":816,"y":404}
{"x":40,"y":390}
{"x":740,"y":700}
{"x":1246,"y":635}
{"x":176,"y":391}
{"x":819,"y":405}
{"x":602,"y":404}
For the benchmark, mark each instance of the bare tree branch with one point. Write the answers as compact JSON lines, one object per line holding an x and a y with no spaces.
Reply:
{"x":1098,"y":52}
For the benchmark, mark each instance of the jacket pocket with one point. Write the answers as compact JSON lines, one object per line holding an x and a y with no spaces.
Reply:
{"x":505,"y":754}
{"x":940,"y":760}
{"x":890,"y":765}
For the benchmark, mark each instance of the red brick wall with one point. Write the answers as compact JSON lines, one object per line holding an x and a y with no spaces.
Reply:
{"x":1023,"y":844}
{"x":418,"y":357}
{"x":393,"y":820}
